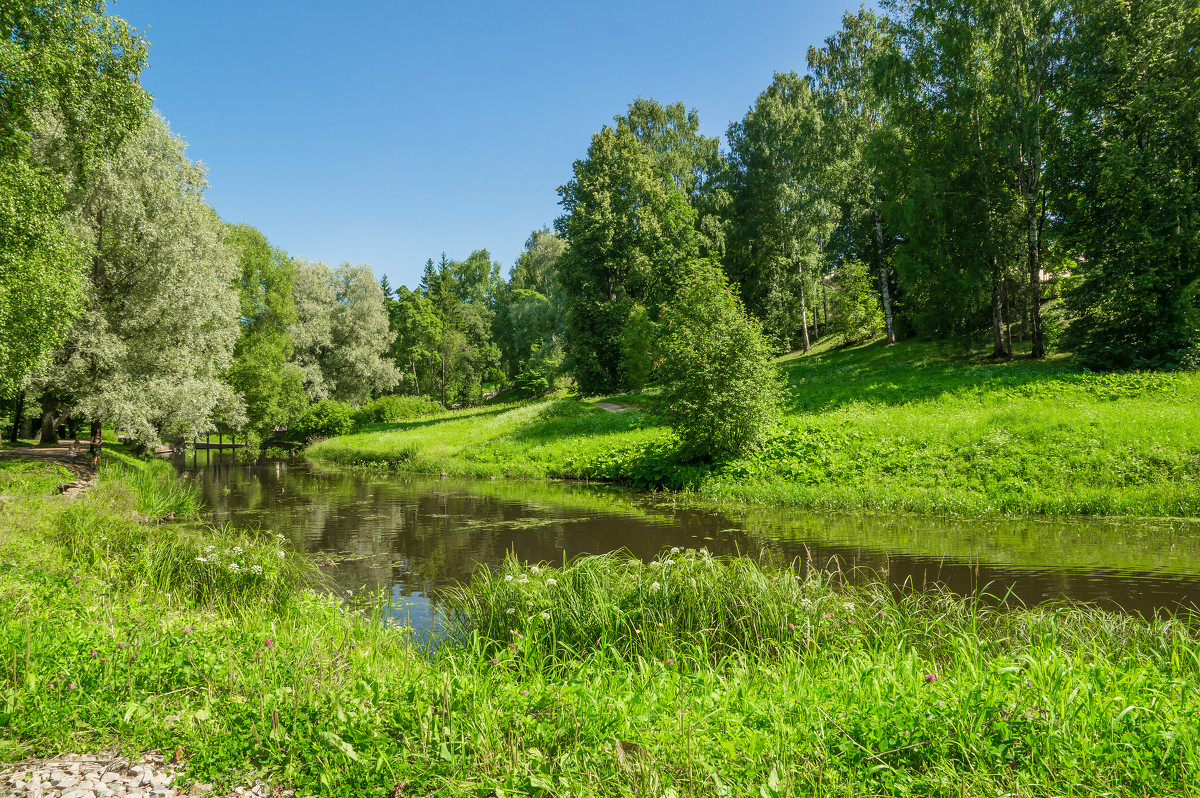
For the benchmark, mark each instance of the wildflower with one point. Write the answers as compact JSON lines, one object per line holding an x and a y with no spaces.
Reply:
{"x":674,"y":549}
{"x":670,"y":662}
{"x":508,"y":578}
{"x":806,"y":603}
{"x":256,"y":570}
{"x":237,"y":550}
{"x":201,"y":559}
{"x":120,"y":644}
{"x":269,"y":643}
{"x":792,"y":626}
{"x":234,"y":568}
{"x":827,"y":616}
{"x":281,"y":554}
{"x":349,"y":592}
{"x":848,"y":607}
{"x":545,"y":616}
{"x":655,"y":564}
{"x":655,"y":586}
{"x":930,"y":678}
{"x":552,"y":582}
{"x":279,"y":538}
{"x":524,"y":692}
{"x":495,"y":662}
{"x":71,"y":686}
{"x":510,"y":610}
{"x":535,"y":569}
{"x":524,"y":580}
{"x":210,"y":549}
{"x":187,"y":630}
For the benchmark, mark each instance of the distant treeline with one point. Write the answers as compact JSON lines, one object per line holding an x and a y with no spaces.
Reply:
{"x":1023,"y":170}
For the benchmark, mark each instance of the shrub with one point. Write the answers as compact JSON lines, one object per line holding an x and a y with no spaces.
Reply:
{"x":855,"y":305}
{"x":326,"y":419}
{"x":720,"y":389}
{"x":389,"y":409}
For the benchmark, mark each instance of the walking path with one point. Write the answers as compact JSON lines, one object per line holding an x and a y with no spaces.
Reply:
{"x":81,"y":466}
{"x":613,"y":408}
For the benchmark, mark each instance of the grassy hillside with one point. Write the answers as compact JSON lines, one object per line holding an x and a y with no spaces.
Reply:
{"x":915,"y":426}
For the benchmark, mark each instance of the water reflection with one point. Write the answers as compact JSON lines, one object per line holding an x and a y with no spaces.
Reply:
{"x":413,"y":535}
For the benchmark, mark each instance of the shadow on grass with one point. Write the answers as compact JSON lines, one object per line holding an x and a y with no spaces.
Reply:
{"x":428,"y":421}
{"x":908,"y":372}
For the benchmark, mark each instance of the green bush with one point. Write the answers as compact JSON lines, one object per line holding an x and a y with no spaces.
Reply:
{"x":326,"y":419}
{"x":390,"y":409}
{"x":855,"y":305}
{"x":720,"y":389}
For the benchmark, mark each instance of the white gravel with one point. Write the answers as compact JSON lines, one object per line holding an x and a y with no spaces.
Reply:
{"x":83,"y":776}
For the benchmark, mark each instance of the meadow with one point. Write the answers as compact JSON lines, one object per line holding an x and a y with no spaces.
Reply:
{"x":690,"y":675}
{"x":915,"y":427}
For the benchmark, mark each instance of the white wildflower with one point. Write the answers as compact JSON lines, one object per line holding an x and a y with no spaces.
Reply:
{"x":510,"y":610}
{"x":848,"y":607}
{"x":674,"y":549}
{"x":234,"y":568}
{"x":281,"y":554}
{"x":279,"y":538}
{"x":256,"y":570}
{"x":552,"y":582}
{"x":201,"y":559}
{"x":806,"y":603}
{"x":535,"y":569}
{"x":508,"y":578}
{"x":655,"y":586}
{"x":545,"y":616}
{"x":704,"y":551}
{"x":524,"y":580}
{"x":655,"y":564}
{"x":210,"y":549}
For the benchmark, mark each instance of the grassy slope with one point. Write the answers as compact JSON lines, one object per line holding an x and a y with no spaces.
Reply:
{"x":916,"y":427}
{"x":688,"y":676}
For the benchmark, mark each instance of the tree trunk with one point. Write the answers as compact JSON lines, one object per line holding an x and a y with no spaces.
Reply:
{"x":883,"y":281}
{"x":443,"y":380}
{"x":1035,"y":287}
{"x":18,"y":413}
{"x":825,"y":304}
{"x":804,"y":310}
{"x":1008,"y":322}
{"x":49,"y":418}
{"x":416,"y":380}
{"x":997,"y":319}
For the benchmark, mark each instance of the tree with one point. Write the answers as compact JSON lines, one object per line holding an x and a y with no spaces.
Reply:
{"x":341,"y":332}
{"x":844,"y":76}
{"x":262,"y":374}
{"x":160,"y":317}
{"x":1126,"y":177}
{"x":74,"y":63}
{"x":530,"y":323}
{"x":782,"y":217}
{"x":720,"y":389}
{"x":631,"y":238}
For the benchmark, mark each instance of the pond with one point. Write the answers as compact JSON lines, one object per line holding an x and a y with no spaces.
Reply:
{"x":413,"y":535}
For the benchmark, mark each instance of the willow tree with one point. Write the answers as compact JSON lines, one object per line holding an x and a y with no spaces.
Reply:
{"x":159,"y":319}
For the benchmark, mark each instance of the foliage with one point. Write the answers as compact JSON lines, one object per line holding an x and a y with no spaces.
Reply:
{"x":392,"y":408}
{"x":720,"y":390}
{"x":325,"y":419}
{"x":855,"y":305}
{"x":631,"y":240}
{"x":1126,"y":176}
{"x":268,"y":383}
{"x":156,"y":335}
{"x":41,"y":273}
{"x":637,"y":340}
{"x":341,"y":332}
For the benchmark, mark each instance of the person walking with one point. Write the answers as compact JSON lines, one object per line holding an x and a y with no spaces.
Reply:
{"x":96,"y":448}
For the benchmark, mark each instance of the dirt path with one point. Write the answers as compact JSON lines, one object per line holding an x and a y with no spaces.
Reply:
{"x":81,"y":466}
{"x":612,"y":408}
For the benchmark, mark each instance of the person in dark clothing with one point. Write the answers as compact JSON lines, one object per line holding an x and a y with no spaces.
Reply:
{"x":96,"y":447}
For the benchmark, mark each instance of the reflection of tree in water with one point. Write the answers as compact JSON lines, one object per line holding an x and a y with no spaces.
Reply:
{"x":419,"y":534}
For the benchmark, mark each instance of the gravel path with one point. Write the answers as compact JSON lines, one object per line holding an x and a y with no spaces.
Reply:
{"x":83,"y":776}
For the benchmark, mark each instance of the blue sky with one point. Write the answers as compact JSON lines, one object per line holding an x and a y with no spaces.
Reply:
{"x":389,"y":132}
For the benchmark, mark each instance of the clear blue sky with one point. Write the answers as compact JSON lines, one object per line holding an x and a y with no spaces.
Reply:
{"x":389,"y":132}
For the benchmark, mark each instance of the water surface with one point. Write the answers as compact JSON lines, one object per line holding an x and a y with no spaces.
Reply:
{"x":414,"y":535}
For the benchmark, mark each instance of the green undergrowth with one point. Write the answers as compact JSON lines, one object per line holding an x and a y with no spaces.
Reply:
{"x":913,"y":427}
{"x":687,"y":676}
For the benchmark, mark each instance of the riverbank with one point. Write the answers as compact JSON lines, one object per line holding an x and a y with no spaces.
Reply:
{"x":914,"y":427}
{"x":690,"y":675}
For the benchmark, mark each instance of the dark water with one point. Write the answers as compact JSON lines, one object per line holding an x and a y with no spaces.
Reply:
{"x":414,"y":535}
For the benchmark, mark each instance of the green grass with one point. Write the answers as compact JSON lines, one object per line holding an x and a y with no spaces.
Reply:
{"x":689,"y":676}
{"x":912,"y":427}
